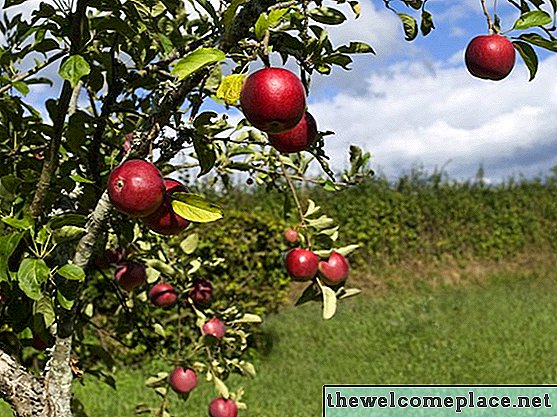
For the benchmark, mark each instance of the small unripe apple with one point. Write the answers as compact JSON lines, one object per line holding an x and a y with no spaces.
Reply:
{"x":164,"y":220}
{"x":291,"y":235}
{"x":273,"y":99}
{"x":214,"y":327}
{"x":297,"y":139}
{"x":221,"y":407}
{"x":490,"y":57}
{"x":182,"y":380}
{"x":136,"y":188}
{"x":201,"y":292}
{"x":130,"y":275}
{"x":162,"y":294}
{"x":335,"y":270}
{"x":301,"y":264}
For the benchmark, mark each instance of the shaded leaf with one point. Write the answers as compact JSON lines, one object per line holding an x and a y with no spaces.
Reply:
{"x":327,"y":15}
{"x":44,"y":307}
{"x":31,"y":274}
{"x":529,"y":56}
{"x":8,"y":244}
{"x":409,"y":25}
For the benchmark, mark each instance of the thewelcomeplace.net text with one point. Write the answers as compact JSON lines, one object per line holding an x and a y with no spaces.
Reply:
{"x":454,"y":402}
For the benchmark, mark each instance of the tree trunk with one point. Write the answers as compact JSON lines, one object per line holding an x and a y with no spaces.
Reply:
{"x":26,"y":394}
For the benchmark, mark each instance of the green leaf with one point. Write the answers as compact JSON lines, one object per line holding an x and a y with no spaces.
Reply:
{"x":159,"y":329}
{"x":230,"y":13}
{"x":275,"y":17}
{"x":221,"y":387}
{"x":230,"y":88}
{"x":161,"y":266}
{"x":31,"y":274}
{"x":347,"y":250}
{"x":529,"y":56}
{"x":72,"y":272}
{"x":195,"y":208}
{"x":356,"y":48}
{"x":66,"y":303}
{"x":327,"y":15}
{"x":329,"y":302}
{"x":249,"y":318}
{"x":73,"y":69}
{"x":22,"y":87}
{"x":261,"y":26}
{"x":540,"y":41}
{"x":409,"y":25}
{"x":531,"y":19}
{"x":426,"y":25}
{"x":349,"y":292}
{"x":79,"y":178}
{"x":197,"y":60}
{"x":8,"y":244}
{"x":10,"y":3}
{"x":356,"y":8}
{"x":205,"y":154}
{"x":189,"y":244}
{"x":22,"y":224}
{"x":43,"y":306}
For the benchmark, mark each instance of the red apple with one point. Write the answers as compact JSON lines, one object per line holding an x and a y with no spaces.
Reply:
{"x":301,"y":264}
{"x":136,"y":188}
{"x":130,"y":275}
{"x":162,"y":295}
{"x":182,"y":380}
{"x":221,"y":407}
{"x":110,"y":257}
{"x":273,"y":99}
{"x":201,"y":292}
{"x":291,"y":235}
{"x":490,"y":57}
{"x":164,"y":220}
{"x":214,"y":327}
{"x":335,"y":270}
{"x":297,"y":139}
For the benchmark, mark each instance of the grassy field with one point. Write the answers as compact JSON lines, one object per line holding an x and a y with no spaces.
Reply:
{"x":498,"y":331}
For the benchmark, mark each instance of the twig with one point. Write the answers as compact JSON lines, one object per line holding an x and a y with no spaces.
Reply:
{"x":488,"y":17}
{"x":32,"y":71}
{"x":75,"y":98}
{"x":296,"y":200}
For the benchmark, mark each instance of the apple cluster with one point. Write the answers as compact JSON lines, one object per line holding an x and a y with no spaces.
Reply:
{"x":138,"y":189}
{"x":274,"y":101}
{"x":304,"y":265}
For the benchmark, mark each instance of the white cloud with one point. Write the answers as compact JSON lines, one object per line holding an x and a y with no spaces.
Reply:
{"x":410,"y":115}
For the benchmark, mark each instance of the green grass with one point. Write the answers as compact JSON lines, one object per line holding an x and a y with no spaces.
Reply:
{"x":499,"y":332}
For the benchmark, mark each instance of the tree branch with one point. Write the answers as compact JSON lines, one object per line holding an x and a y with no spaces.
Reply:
{"x":24,"y":392}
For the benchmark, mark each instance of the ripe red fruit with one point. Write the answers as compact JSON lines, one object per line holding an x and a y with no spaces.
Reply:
{"x":221,"y":407}
{"x":136,"y":188}
{"x":182,"y":380}
{"x":273,"y":99}
{"x":130,"y":275}
{"x":490,"y":57}
{"x":162,"y":294}
{"x":164,"y":220}
{"x":201,"y":292}
{"x":291,"y":235}
{"x":214,"y":327}
{"x":110,"y":257}
{"x":301,"y":264}
{"x":335,"y":270}
{"x":297,"y":139}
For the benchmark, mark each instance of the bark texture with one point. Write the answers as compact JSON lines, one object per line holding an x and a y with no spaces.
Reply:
{"x":25,"y":393}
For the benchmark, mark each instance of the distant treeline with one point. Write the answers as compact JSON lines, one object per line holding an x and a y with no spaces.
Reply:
{"x":428,"y":216}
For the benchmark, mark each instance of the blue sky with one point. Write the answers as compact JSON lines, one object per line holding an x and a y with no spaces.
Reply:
{"x":414,"y":104}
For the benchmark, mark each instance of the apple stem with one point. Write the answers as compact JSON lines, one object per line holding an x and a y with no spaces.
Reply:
{"x":491,"y":26}
{"x":296,"y":201}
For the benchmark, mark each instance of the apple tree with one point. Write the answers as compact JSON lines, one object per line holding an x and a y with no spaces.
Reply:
{"x":105,"y":106}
